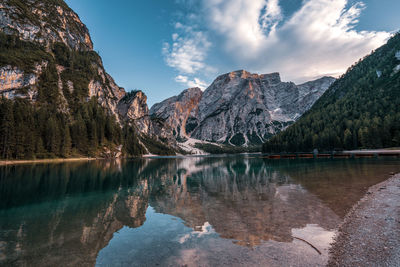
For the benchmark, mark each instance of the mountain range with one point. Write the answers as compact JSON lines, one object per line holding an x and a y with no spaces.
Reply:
{"x":239,"y":108}
{"x":57,"y":100}
{"x":55,"y":86}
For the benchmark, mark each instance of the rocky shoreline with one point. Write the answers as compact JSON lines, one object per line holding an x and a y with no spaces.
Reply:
{"x":370,"y":233}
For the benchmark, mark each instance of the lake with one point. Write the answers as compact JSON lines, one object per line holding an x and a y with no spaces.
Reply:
{"x":193,"y":211}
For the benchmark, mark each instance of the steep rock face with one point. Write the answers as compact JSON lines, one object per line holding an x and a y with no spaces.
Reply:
{"x":133,"y":107}
{"x":239,"y":108}
{"x":312,"y":91}
{"x":12,"y":78}
{"x":178,"y":114}
{"x":45,"y":22}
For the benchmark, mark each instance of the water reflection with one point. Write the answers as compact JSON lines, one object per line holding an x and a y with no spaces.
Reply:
{"x":232,"y":210}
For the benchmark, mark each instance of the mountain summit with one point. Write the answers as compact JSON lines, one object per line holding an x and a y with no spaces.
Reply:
{"x":239,"y":108}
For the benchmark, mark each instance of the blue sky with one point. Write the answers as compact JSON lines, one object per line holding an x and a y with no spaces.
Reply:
{"x":164,"y":46}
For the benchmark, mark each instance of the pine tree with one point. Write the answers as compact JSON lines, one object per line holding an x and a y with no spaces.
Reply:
{"x":348,"y":139}
{"x":7,"y":138}
{"x":66,"y":142}
{"x":79,"y":135}
{"x":52,"y":135}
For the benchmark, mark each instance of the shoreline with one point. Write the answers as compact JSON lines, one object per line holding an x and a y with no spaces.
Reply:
{"x":31,"y":161}
{"x":369,"y":234}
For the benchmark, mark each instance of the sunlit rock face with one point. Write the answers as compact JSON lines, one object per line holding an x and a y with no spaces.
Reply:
{"x":239,"y":108}
{"x":178,"y":114}
{"x":45,"y":22}
{"x":12,"y":78}
{"x":133,"y":107}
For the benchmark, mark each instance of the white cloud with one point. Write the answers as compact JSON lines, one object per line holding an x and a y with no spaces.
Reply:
{"x":271,"y":16}
{"x":237,"y":21}
{"x":175,"y":36}
{"x":181,"y":79}
{"x":188,"y":51}
{"x":318,"y":39}
{"x":195,"y":82}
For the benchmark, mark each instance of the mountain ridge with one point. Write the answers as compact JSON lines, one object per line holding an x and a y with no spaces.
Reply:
{"x":255,"y":106}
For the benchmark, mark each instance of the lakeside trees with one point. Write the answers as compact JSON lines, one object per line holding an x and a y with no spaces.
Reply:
{"x":30,"y":131}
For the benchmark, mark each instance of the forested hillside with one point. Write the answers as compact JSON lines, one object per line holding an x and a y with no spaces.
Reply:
{"x":56,"y":99}
{"x":360,"y":110}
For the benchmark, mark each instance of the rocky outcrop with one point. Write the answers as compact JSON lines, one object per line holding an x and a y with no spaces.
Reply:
{"x":44,"y":22}
{"x":179,"y":113}
{"x":12,"y":78}
{"x":133,"y":107}
{"x":239,"y":108}
{"x":310,"y":92}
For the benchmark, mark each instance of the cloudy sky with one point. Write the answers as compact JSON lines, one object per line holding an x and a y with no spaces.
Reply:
{"x":165,"y":46}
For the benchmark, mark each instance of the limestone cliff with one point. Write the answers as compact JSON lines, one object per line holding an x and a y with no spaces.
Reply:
{"x":133,"y":107}
{"x":44,"y":22}
{"x":178,"y":113}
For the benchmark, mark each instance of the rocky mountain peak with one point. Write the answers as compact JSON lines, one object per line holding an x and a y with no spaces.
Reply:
{"x":272,"y":78}
{"x":242,"y":74}
{"x":239,"y":108}
{"x":192,"y":91}
{"x":44,"y":22}
{"x":178,"y":114}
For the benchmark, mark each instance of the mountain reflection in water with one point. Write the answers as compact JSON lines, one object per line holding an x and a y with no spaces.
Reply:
{"x":177,"y":211}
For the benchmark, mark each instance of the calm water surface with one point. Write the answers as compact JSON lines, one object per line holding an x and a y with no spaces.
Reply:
{"x":203,"y":211}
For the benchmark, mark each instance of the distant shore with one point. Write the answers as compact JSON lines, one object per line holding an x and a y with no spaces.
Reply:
{"x":369,"y":235}
{"x":360,"y":153}
{"x":57,"y":160}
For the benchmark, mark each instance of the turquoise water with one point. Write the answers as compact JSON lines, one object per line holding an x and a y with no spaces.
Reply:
{"x":197,"y":211}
